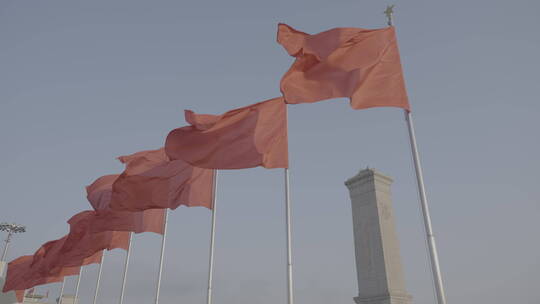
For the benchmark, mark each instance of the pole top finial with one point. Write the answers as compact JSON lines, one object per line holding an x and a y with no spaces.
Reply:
{"x":389,"y":12}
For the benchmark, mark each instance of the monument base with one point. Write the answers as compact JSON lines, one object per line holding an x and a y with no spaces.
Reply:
{"x":385,"y":299}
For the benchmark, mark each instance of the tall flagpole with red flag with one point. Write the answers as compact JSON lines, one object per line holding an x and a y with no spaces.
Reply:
{"x":432,"y":248}
{"x":264,"y":123}
{"x":212,"y":239}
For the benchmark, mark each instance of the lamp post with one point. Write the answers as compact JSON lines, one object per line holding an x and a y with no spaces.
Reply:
{"x":10,"y":229}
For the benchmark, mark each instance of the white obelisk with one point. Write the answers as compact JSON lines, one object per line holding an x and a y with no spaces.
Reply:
{"x":378,"y":261}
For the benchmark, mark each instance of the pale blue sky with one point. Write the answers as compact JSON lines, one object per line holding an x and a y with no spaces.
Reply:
{"x":84,"y":82}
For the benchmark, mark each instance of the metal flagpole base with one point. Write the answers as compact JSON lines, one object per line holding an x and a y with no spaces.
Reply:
{"x":78,"y":285}
{"x":212,"y":239}
{"x":288,"y":229}
{"x":99,"y":277}
{"x":62,"y":291}
{"x":434,"y":258}
{"x":128,"y":253}
{"x":162,"y":254}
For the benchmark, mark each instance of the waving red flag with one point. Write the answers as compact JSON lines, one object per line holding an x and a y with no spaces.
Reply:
{"x":247,"y":137}
{"x":361,"y":64}
{"x":150,"y":220}
{"x":79,"y":245}
{"x":18,"y":274}
{"x":152,"y":180}
{"x":107,"y":219}
{"x":23,"y":273}
{"x":44,"y":262}
{"x":81,"y":239}
{"x":99,"y":192}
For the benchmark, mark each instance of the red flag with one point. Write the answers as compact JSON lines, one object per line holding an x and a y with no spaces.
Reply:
{"x":106,"y":219}
{"x":45,"y":257}
{"x":81,"y":240}
{"x":247,"y":137}
{"x":150,"y":220}
{"x":152,"y":180}
{"x":24,"y":273}
{"x":80,"y":244}
{"x":99,"y":192}
{"x":363,"y":65}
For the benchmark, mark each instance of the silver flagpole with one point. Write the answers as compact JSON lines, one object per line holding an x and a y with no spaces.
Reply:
{"x":433,"y":256}
{"x":288,"y":228}
{"x":162,"y":254}
{"x":128,"y":253}
{"x":99,"y":276}
{"x":212,"y":238}
{"x":78,"y":285}
{"x":290,"y":298}
{"x":62,"y":290}
{"x":6,"y":246}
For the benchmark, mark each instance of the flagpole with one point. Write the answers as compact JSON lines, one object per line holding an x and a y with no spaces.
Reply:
{"x":288,"y":228}
{"x":434,"y":258}
{"x":433,"y":255}
{"x":290,"y":298}
{"x":78,"y":285}
{"x":212,"y":239}
{"x":62,"y":290}
{"x":162,"y":255}
{"x":99,"y":276}
{"x":128,"y":253}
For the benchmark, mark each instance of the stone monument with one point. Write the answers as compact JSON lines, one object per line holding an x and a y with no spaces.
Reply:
{"x":378,"y":261}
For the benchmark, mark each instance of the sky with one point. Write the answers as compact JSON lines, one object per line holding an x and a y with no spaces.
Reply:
{"x":83,"y":82}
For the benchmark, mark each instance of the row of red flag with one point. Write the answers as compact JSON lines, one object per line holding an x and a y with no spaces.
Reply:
{"x":360,"y":64}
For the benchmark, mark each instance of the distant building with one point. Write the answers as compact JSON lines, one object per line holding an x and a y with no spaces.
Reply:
{"x":68,"y":299}
{"x":35,"y":298}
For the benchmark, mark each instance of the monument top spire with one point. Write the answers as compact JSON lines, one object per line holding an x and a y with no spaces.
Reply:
{"x":367,"y":175}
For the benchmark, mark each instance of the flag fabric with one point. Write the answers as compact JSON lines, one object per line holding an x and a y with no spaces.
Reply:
{"x":152,"y":180}
{"x":43,"y":262}
{"x":99,"y":192}
{"x":80,"y":244}
{"x":23,"y":273}
{"x":247,"y":137}
{"x":106,"y":219}
{"x":150,"y":220}
{"x":361,"y":64}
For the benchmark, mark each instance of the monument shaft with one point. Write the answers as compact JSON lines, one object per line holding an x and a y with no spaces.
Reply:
{"x":378,"y":260}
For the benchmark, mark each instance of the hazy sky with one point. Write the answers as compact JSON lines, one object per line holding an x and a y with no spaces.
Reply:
{"x":82,"y":82}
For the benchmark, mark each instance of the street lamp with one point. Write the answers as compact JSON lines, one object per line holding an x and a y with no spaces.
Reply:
{"x":10,"y":229}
